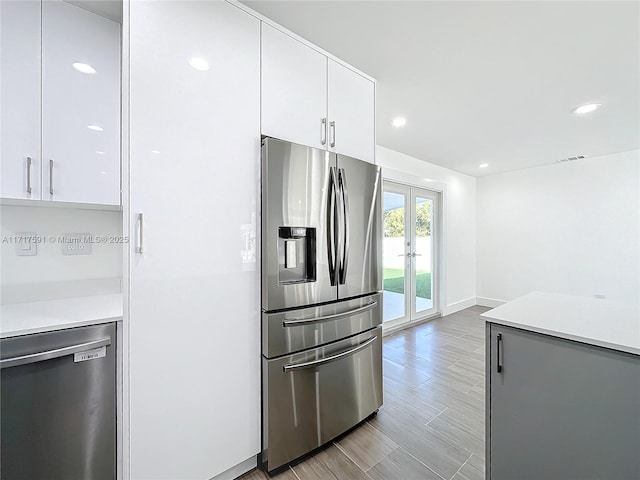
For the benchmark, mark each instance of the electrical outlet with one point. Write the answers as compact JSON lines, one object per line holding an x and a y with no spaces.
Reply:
{"x":26,"y":245}
{"x":76,"y":244}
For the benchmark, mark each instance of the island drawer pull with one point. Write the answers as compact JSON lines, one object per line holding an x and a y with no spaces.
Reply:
{"x":498,"y":356}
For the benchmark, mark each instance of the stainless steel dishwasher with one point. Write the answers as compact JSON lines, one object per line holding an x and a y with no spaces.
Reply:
{"x":58,"y":410}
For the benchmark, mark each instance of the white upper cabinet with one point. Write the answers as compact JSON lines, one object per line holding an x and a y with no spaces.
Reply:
{"x":20,"y":99}
{"x":194,"y":313}
{"x":294,"y":90}
{"x":310,"y":99}
{"x":351,"y":113}
{"x":81,"y":109}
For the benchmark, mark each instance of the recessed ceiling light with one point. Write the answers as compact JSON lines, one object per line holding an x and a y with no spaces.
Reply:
{"x":95,"y":128}
{"x":399,"y":122}
{"x":103,"y":173}
{"x":99,"y":152}
{"x":587,"y":108}
{"x":199,"y":64}
{"x":155,"y":151}
{"x":484,"y":165}
{"x":428,"y":180}
{"x":83,"y":67}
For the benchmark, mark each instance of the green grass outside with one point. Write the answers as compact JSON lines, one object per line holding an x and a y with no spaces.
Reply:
{"x":394,"y":282}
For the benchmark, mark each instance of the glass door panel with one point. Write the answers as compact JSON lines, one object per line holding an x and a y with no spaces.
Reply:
{"x":394,"y":255}
{"x":422,"y":255}
{"x":409,"y":253}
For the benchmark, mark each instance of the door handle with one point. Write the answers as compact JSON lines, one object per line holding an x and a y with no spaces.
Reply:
{"x":332,"y":254}
{"x":296,"y":322}
{"x":140,"y":222}
{"x":332,"y":126}
{"x":342,"y":182}
{"x":323,"y":132}
{"x":51,"y":177}
{"x":51,"y":354}
{"x":415,"y":255}
{"x":316,"y":363}
{"x":498,"y":353}
{"x":28,"y":174}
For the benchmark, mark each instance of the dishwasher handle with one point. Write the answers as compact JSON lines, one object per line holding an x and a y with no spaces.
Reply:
{"x":51,"y":354}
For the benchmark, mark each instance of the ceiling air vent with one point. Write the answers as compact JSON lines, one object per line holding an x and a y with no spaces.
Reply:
{"x":571,"y":159}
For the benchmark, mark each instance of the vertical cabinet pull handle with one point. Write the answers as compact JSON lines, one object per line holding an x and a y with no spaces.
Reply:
{"x":498,"y":352}
{"x":28,"y":174}
{"x":51,"y":177}
{"x":323,"y":133}
{"x":139,"y":247}
{"x":333,"y":134}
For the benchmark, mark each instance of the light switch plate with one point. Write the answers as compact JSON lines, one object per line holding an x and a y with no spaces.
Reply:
{"x":26,"y":245}
{"x":76,"y":244}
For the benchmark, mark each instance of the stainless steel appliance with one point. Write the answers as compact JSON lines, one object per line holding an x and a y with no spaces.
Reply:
{"x":58,"y":410}
{"x":321,"y":300}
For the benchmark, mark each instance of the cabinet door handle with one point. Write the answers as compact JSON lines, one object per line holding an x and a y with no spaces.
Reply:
{"x":333,"y":134}
{"x":498,"y":352}
{"x":140,"y":222}
{"x":51,"y":177}
{"x":323,"y":133}
{"x":28,"y":174}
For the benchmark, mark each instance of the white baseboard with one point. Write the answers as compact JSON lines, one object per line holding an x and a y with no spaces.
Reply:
{"x":461,"y":305}
{"x":238,"y":470}
{"x":489,"y":302}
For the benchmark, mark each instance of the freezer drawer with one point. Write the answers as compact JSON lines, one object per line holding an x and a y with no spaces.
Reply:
{"x":59,"y":405}
{"x":311,"y":397}
{"x":288,"y":332}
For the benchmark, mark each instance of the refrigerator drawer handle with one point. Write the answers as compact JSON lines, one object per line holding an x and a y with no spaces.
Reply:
{"x":51,"y":354}
{"x":296,"y":322}
{"x":316,"y":363}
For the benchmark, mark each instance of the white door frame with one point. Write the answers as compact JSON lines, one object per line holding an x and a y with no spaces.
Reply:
{"x":410,"y":193}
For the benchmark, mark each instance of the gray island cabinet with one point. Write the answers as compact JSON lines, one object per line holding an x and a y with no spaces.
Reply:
{"x":563,"y":389}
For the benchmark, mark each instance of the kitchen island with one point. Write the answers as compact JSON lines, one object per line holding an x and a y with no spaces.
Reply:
{"x":563,"y":389}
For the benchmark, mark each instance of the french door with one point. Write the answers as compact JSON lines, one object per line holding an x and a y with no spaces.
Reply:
{"x":410,"y":253}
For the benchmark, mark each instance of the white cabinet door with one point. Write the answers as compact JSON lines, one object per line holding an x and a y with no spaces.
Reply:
{"x":194,"y":289}
{"x":351,"y":113}
{"x":20,"y":99}
{"x":81,"y":111}
{"x":294,"y":90}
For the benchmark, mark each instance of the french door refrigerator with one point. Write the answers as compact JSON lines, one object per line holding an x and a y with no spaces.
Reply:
{"x":321,"y":297}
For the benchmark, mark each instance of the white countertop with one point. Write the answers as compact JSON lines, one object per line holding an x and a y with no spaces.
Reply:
{"x":35,"y":317}
{"x":583,"y":319}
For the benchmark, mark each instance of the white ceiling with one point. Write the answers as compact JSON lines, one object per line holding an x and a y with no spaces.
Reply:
{"x":487,"y":82}
{"x":111,"y":9}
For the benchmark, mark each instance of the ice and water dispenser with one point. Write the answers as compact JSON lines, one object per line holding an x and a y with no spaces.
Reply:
{"x":296,"y":255}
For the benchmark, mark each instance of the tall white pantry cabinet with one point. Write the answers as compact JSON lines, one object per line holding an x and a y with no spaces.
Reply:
{"x":193,"y":197}
{"x":197,"y":80}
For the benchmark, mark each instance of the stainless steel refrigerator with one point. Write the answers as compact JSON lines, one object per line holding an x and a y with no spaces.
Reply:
{"x":321,"y":297}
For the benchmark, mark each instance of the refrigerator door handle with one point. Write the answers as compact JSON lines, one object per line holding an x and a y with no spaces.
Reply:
{"x":332,"y":254}
{"x":342,"y":182}
{"x":296,"y":322}
{"x":316,"y":363}
{"x":51,"y":354}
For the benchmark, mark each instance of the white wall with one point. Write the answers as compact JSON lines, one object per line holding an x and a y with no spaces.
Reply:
{"x":459,"y":220}
{"x":50,"y":274}
{"x":569,"y":228}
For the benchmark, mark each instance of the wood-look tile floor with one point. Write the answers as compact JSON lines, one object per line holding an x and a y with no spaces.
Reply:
{"x":431,"y":426}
